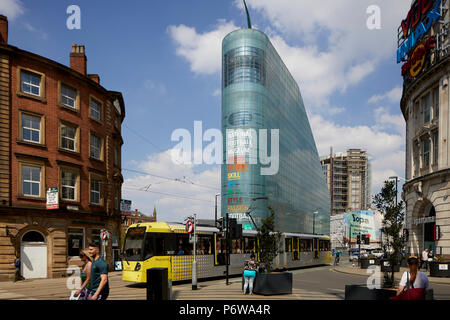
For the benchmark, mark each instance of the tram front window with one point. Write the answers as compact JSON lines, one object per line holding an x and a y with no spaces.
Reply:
{"x":132,"y":248}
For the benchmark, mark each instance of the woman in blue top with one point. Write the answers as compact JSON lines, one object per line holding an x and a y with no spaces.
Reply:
{"x":250,"y":267}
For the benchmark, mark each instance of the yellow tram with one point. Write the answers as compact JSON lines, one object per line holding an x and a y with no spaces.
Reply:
{"x":167,"y":245}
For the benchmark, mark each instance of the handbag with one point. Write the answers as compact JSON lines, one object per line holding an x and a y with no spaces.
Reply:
{"x":410,"y":293}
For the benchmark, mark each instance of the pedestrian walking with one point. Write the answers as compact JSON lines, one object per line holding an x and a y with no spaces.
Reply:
{"x":337,"y":258}
{"x":424,"y":259}
{"x":250,"y":267}
{"x":414,"y":283}
{"x":85,"y":276}
{"x":17,"y":263}
{"x":430,"y":256}
{"x":99,"y":274}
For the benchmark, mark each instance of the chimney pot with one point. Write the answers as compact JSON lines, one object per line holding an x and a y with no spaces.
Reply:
{"x":3,"y":29}
{"x":78,"y":60}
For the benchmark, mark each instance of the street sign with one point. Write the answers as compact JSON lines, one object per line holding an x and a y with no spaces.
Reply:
{"x":248,"y":227}
{"x":52,"y":198}
{"x":189,"y":226}
{"x":125,"y":205}
{"x":104,"y":235}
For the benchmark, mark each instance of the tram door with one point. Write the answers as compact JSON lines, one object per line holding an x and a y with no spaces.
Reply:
{"x":316,"y":248}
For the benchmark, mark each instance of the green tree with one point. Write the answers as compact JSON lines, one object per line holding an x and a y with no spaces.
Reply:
{"x":268,"y":241}
{"x":393,"y":215}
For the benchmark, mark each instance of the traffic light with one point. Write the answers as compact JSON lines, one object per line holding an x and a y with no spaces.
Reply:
{"x":366,"y":238}
{"x":235,"y":231}
{"x":358,"y":239}
{"x":219,"y":224}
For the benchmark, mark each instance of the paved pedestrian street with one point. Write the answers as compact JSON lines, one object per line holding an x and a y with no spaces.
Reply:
{"x":322,"y":283}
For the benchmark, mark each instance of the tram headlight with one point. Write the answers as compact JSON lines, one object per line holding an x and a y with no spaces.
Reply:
{"x":138,"y":267}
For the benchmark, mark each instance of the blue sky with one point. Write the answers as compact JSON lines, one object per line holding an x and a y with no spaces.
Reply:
{"x":164,"y":56}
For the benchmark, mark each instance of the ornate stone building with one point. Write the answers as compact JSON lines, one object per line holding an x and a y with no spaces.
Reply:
{"x":424,"y":46}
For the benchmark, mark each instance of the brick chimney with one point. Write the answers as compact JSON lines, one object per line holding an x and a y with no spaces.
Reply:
{"x":94,"y":77}
{"x":3,"y":29}
{"x":78,"y":60}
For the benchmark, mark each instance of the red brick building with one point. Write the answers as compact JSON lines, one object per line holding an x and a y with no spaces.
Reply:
{"x":59,"y":128}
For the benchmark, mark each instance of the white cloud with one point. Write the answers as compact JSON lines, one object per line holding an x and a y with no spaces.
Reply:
{"x":385,"y":150}
{"x":11,"y":8}
{"x":385,"y":120}
{"x":217,"y":92}
{"x":335,"y":48}
{"x":392,"y":96}
{"x":202,"y":50}
{"x":170,"y":197}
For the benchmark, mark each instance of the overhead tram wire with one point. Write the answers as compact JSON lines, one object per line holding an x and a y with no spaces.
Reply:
{"x":171,"y":179}
{"x":163,"y":152}
{"x":168,"y":194}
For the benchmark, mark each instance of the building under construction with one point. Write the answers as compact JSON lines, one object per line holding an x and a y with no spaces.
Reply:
{"x":348,"y":178}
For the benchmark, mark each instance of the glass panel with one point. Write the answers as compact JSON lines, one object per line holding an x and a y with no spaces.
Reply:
{"x":30,"y":83}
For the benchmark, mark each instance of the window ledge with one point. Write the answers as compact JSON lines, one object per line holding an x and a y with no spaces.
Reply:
{"x":34,"y":144}
{"x":73,"y":110}
{"x":70,"y":202}
{"x":22,"y":197}
{"x":96,"y":120}
{"x":97,"y":160}
{"x":75,"y":153}
{"x":30,"y":96}
{"x":96,"y":205}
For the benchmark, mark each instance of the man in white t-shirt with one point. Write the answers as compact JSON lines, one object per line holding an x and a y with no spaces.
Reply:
{"x":424,"y":259}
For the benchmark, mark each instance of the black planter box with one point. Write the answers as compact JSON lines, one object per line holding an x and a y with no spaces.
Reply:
{"x":359,"y":292}
{"x":385,"y":267}
{"x":267,"y":284}
{"x":366,"y":263}
{"x":439,"y":269}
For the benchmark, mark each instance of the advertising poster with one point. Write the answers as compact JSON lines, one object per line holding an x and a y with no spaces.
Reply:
{"x":363,"y":222}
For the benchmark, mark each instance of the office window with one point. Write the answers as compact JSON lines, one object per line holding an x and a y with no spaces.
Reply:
{"x":117,"y":198}
{"x":75,"y":241}
{"x":69,"y":181}
{"x":96,"y":147}
{"x":69,"y":137}
{"x":435,"y":93}
{"x":31,"y":181}
{"x":426,"y":152}
{"x":31,"y":128}
{"x":30,"y":82}
{"x":96,"y":109}
{"x":116,"y":155}
{"x":435,"y":147}
{"x":96,"y":196}
{"x":426,"y":108}
{"x":68,"y":96}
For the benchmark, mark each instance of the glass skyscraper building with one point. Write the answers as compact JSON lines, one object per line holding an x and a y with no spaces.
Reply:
{"x":258,"y":92}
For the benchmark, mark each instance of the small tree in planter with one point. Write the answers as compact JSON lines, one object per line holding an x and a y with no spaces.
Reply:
{"x":268,"y":241}
{"x":270,"y":283}
{"x":394,"y":241}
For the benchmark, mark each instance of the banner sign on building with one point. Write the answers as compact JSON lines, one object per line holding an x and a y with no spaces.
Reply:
{"x":125,"y":205}
{"x":52,"y":198}
{"x":361,"y":222}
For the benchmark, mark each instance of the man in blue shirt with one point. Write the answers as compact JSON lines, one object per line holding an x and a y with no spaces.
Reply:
{"x":99,"y":274}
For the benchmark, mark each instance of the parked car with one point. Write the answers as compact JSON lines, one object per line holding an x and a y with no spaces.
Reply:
{"x":377,"y":253}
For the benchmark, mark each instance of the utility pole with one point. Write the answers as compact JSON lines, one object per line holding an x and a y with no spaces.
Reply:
{"x":227,"y":235}
{"x":194,"y":262}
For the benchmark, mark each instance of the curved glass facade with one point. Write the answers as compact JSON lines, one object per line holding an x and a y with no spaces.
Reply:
{"x":258,"y":92}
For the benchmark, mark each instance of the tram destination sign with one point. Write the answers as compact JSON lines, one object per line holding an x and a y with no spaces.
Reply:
{"x":424,"y":220}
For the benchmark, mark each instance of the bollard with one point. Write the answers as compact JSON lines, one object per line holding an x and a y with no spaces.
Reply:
{"x":157,"y":284}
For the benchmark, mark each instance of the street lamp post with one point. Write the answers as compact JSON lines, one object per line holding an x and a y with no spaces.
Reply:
{"x":215,"y":220}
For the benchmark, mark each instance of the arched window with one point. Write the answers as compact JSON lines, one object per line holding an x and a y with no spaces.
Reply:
{"x":33,"y":236}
